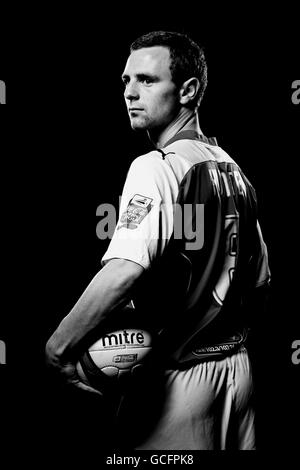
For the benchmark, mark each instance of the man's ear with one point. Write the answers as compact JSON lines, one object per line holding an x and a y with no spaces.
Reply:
{"x":189,"y":91}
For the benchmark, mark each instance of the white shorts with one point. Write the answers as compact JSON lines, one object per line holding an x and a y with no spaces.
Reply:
{"x":206,"y":407}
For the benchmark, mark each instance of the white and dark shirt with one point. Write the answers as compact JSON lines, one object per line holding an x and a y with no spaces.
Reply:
{"x":188,"y":216}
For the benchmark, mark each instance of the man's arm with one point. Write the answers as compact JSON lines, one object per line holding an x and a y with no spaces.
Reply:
{"x":109,"y":289}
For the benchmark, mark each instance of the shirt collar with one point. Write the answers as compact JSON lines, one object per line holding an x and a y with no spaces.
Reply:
{"x":192,"y":135}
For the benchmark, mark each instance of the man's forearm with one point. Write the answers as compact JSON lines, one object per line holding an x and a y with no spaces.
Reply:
{"x":110,"y":288}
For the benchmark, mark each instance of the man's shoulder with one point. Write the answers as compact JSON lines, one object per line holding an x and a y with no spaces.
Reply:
{"x":150,"y":161}
{"x":199,"y":151}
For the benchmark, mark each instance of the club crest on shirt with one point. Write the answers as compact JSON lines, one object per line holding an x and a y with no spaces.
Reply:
{"x":139,"y":206}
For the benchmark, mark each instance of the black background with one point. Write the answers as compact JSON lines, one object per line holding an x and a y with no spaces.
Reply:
{"x":66,"y":145}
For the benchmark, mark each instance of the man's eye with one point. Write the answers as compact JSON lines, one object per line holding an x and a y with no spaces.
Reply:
{"x":148,"y":81}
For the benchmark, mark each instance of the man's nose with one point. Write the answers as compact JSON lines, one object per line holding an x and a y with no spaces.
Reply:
{"x":131,"y":91}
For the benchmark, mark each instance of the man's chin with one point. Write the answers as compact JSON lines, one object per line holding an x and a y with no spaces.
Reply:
{"x":138,"y":126}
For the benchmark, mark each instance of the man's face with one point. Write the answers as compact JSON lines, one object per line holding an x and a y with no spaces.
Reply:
{"x":150,"y":94}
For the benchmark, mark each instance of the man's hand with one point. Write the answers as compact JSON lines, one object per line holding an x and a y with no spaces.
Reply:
{"x":107,"y":292}
{"x":67,"y":372}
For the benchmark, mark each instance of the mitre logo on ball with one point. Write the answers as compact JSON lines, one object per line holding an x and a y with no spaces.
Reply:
{"x":122,"y":338}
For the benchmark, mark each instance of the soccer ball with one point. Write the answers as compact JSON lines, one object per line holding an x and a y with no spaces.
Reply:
{"x":115,"y":356}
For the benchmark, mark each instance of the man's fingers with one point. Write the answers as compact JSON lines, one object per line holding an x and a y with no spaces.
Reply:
{"x":86,"y":388}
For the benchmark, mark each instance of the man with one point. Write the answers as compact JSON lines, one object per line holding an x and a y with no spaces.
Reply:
{"x":187,"y":250}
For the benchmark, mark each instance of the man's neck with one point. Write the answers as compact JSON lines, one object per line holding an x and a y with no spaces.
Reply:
{"x":187,"y":119}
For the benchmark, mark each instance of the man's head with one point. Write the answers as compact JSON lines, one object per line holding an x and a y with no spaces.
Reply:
{"x":164,"y":72}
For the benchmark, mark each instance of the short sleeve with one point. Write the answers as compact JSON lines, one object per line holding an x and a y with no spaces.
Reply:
{"x":145,"y":222}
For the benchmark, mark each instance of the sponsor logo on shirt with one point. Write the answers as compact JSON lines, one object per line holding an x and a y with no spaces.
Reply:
{"x":138,"y":208}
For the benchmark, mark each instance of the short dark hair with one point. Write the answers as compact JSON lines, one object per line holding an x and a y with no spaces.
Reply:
{"x":187,"y":57}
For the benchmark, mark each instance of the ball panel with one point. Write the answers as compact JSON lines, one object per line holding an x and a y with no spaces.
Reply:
{"x":123,"y":359}
{"x":111,"y":371}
